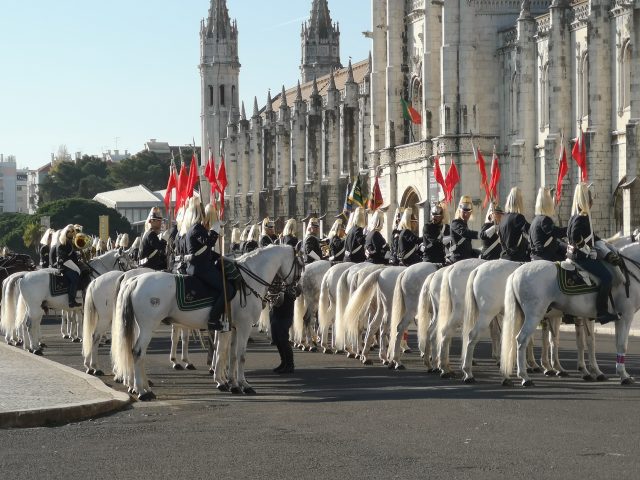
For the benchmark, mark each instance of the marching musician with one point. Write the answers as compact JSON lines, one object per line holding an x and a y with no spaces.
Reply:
{"x":252,"y":239}
{"x":268,"y":236}
{"x":514,"y":229}
{"x":408,"y":241}
{"x":585,"y":247}
{"x":45,"y":247}
{"x":153,"y":249}
{"x":376,"y":247}
{"x":68,"y":261}
{"x":289,"y":236}
{"x":395,"y":237}
{"x":461,"y":234}
{"x":336,"y":241}
{"x":491,"y":248}
{"x":546,"y":238}
{"x":354,"y":243}
{"x":312,"y":248}
{"x":235,"y":241}
{"x":433,"y":234}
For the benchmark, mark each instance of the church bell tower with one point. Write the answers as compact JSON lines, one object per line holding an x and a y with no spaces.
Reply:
{"x":320,"y":43}
{"x":220,"y":74}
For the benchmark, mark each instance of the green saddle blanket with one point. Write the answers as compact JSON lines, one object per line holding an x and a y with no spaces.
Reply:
{"x":191,"y":293}
{"x":58,"y":285}
{"x":572,"y":283}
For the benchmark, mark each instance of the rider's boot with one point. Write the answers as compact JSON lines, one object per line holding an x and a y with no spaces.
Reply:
{"x":214,"y":323}
{"x":602,"y":307}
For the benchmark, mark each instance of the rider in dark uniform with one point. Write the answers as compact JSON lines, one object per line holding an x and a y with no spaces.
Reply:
{"x":433,"y":234}
{"x":45,"y":248}
{"x":281,"y":320}
{"x":235,"y":241}
{"x":268,"y":236}
{"x":336,"y":241}
{"x":408,"y":242}
{"x":252,"y":240}
{"x":461,"y":235}
{"x":68,"y":261}
{"x":514,"y":229}
{"x":491,"y":247}
{"x":201,"y":238}
{"x":376,"y":247}
{"x":395,"y":237}
{"x":354,"y":243}
{"x":153,"y":249}
{"x":582,"y":250}
{"x":289,"y":231}
{"x":546,"y":238}
{"x":312,"y":248}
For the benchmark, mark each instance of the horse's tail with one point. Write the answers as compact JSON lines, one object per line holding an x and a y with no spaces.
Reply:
{"x":10,"y":292}
{"x":358,"y":302}
{"x":424,"y":314}
{"x":299,"y":311}
{"x":445,"y":305}
{"x":89,"y":321}
{"x":324,"y":306}
{"x":123,"y":332}
{"x":511,"y":323}
{"x":470,"y":308}
{"x":342,"y":297}
{"x":397,"y":313}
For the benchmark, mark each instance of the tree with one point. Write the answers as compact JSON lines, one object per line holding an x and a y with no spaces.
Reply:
{"x":144,"y":168}
{"x":85,"y":178}
{"x":31,"y":236}
{"x":62,"y":155}
{"x":83,"y":212}
{"x":12,"y":226}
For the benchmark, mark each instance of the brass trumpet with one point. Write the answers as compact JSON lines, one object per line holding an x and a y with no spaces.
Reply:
{"x":81,"y":241}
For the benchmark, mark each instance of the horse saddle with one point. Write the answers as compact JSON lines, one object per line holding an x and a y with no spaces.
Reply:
{"x":576,"y":281}
{"x":192,"y":294}
{"x":58,"y":285}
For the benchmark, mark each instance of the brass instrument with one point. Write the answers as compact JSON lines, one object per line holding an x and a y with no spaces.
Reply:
{"x":324,"y":247}
{"x":81,"y":241}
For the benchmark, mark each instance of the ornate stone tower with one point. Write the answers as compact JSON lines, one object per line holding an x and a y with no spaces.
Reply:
{"x":219,"y":73}
{"x":320,"y":43}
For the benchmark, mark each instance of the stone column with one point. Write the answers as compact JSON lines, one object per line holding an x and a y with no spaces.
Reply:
{"x":283,"y":157}
{"x":631,"y":199}
{"x":244,"y":145}
{"x":313,"y":151}
{"x":298,"y":154}
{"x":255,"y":153}
{"x":378,"y":75}
{"x":432,"y":34}
{"x":394,"y":128}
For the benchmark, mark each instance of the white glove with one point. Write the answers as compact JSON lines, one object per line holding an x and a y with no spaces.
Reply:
{"x":593,"y":254}
{"x":165,"y":235}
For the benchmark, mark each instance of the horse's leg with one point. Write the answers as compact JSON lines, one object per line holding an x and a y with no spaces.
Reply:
{"x":622,"y":335}
{"x":523,"y":342}
{"x":77,"y":321}
{"x":531,"y":358}
{"x":554,"y":340}
{"x":482,"y":323}
{"x":140,"y":381}
{"x":579,"y":325}
{"x":175,"y":333}
{"x":430,"y":357}
{"x":233,"y":363}
{"x":184,"y":338}
{"x":495,"y":338}
{"x":544,"y":352}
{"x":370,"y":337}
{"x":590,"y":338}
{"x":242,"y":334}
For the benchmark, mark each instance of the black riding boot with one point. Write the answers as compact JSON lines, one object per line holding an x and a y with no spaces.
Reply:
{"x":602,"y":307}
{"x":214,"y":323}
{"x":288,"y":357}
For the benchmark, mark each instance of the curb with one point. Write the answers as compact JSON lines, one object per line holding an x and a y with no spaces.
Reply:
{"x":65,"y":413}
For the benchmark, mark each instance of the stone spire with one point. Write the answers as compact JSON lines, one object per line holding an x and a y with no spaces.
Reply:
{"x":269,"y":107}
{"x":320,"y":21}
{"x":314,"y":88}
{"x":298,"y":93}
{"x":283,"y":99}
{"x":332,"y":82}
{"x":320,"y":39}
{"x":219,"y":23}
{"x":256,"y":111}
{"x":349,"y":73}
{"x":243,"y":114}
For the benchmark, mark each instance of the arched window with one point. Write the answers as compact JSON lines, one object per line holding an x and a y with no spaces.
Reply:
{"x":544,"y":96}
{"x":211,"y":95}
{"x":583,"y":87}
{"x":513,"y":103}
{"x":625,"y":77}
{"x":221,"y":95}
{"x":233,"y":95}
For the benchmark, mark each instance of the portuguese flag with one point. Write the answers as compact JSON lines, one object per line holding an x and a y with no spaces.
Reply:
{"x":410,"y":113}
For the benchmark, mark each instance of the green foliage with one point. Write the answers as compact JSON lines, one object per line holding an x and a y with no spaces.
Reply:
{"x":32,"y":235}
{"x":12,"y":227}
{"x":87,"y":177}
{"x":145,"y":168}
{"x":84,"y":212}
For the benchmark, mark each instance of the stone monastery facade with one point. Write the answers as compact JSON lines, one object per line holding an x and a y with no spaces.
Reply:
{"x":517,"y":76}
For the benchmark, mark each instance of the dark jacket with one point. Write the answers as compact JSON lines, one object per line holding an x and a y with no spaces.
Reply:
{"x":514,"y":229}
{"x":408,"y":248}
{"x":336,"y":249}
{"x":461,"y":236}
{"x":249,"y":246}
{"x":579,"y":233}
{"x":291,"y":240}
{"x":432,"y":235}
{"x":200,"y":243}
{"x":153,"y":250}
{"x":393,"y":252}
{"x":376,"y":247}
{"x":354,"y":246}
{"x":312,"y":244}
{"x":546,"y":243}
{"x":64,"y":253}
{"x":44,"y":256}
{"x":491,"y":248}
{"x":265,"y":241}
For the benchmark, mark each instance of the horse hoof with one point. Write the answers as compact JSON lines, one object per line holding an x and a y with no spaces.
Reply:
{"x":76,"y":340}
{"x":42,"y":345}
{"x":327,"y":351}
{"x":351,"y":355}
{"x":385,"y":362}
{"x":400,"y":366}
{"x":98,"y":373}
{"x":147,"y":396}
{"x":507,"y":382}
{"x":562,"y":373}
{"x":406,"y":350}
{"x":211,"y":372}
{"x":473,"y":363}
{"x":66,"y":337}
{"x":368,"y":361}
{"x":223,"y":387}
{"x":90,"y":371}
{"x":527,"y":383}
{"x":38,"y":352}
{"x":627,"y":381}
{"x":236,"y":390}
{"x":190,"y":366}
{"x":391,"y":365}
{"x":601,"y":378}
{"x":130,"y":391}
{"x":313,"y":349}
{"x":446,"y":375}
{"x":537,"y":370}
{"x":19,"y":343}
{"x":248,"y":391}
{"x":117,"y":380}
{"x":150,"y":383}
{"x":432,"y":370}
{"x":469,"y":380}
{"x":588,"y":378}
{"x":550,"y":373}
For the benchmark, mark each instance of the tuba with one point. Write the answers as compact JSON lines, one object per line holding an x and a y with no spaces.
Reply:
{"x":81,"y":241}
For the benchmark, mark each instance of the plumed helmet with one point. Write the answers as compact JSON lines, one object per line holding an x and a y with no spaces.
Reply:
{"x":466,"y":204}
{"x":154,"y":214}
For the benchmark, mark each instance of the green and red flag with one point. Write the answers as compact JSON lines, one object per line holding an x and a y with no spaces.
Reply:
{"x":375,"y":200}
{"x":410,"y":113}
{"x":355,"y":196}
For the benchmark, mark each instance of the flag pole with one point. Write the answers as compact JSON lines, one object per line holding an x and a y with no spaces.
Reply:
{"x":227,"y":307}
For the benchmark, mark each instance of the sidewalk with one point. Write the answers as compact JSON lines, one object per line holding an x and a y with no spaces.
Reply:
{"x":37,"y":392}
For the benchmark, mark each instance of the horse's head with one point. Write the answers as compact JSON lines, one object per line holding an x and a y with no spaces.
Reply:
{"x":292,"y":266}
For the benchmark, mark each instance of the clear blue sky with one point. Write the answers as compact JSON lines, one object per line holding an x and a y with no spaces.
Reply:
{"x":85,"y":72}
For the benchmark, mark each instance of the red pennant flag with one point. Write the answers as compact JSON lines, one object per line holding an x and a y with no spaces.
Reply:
{"x":171,"y":186}
{"x":222,"y":184}
{"x":563,"y":168}
{"x":183,"y":179}
{"x":492,"y":193}
{"x":438,"y":174}
{"x":483,"y":171}
{"x":579,"y":154}
{"x":207,"y":170}
{"x":194,"y":178}
{"x":375,"y":201}
{"x":451,"y":181}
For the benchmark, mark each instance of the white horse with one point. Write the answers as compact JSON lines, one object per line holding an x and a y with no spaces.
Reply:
{"x":33,"y":294}
{"x":8,"y":313}
{"x":327,"y":303}
{"x":99,"y":302}
{"x":70,"y":325}
{"x":306,"y":305}
{"x":149,"y":299}
{"x":427,"y":316}
{"x":533,"y":288}
{"x":404,"y":309}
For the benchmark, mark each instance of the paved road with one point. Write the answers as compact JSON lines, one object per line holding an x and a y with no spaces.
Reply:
{"x":336,"y":418}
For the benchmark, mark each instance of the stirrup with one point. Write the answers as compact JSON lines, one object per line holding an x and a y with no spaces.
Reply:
{"x":568,"y":265}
